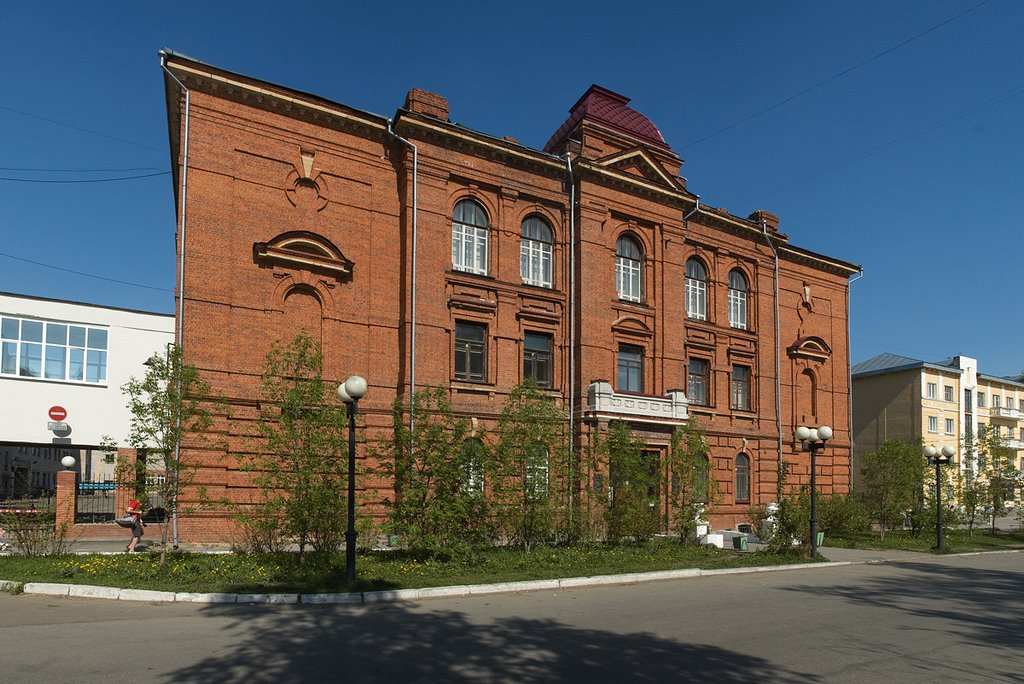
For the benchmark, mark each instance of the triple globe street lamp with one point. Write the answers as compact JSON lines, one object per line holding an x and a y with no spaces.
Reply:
{"x":939,"y":457}
{"x":813,"y":440}
{"x":350,"y":392}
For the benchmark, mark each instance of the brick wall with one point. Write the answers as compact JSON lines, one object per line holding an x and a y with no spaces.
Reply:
{"x":264,"y":166}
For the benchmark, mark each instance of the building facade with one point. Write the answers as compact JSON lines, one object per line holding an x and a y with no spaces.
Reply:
{"x":943,"y":403}
{"x":421,"y":253}
{"x":62,"y":366}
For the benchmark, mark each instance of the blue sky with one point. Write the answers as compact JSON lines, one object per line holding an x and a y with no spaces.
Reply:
{"x":909,"y":164}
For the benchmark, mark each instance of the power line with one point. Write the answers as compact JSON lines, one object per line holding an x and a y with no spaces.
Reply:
{"x":832,"y":78}
{"x":37,"y":170}
{"x":87,"y":275}
{"x":82,"y":180}
{"x":79,"y":128}
{"x":891,"y":143}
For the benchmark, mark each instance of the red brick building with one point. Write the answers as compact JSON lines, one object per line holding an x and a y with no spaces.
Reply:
{"x":422,"y":253}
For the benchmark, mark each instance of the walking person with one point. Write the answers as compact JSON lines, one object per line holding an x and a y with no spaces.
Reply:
{"x":135,"y":510}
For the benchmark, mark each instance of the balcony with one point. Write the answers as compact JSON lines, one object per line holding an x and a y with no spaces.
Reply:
{"x":1007,"y":413}
{"x":604,"y":402}
{"x":1013,"y":443}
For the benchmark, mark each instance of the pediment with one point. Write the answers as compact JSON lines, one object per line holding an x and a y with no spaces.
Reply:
{"x":640,"y":163}
{"x":810,"y":348}
{"x":632,"y":326}
{"x":302,"y":250}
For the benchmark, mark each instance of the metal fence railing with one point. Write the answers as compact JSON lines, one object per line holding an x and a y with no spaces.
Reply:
{"x":96,"y":502}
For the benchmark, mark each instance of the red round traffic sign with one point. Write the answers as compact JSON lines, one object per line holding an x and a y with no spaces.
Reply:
{"x":58,"y":413}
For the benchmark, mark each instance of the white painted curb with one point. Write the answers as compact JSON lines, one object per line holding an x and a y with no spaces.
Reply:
{"x":191,"y":597}
{"x":357,"y":598}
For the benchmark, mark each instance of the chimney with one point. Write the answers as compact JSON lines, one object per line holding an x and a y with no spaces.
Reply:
{"x":767,"y":218}
{"x":426,"y":102}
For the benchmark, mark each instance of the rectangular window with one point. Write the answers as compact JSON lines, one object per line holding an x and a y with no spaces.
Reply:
{"x":696,"y":299}
{"x":51,"y":350}
{"x":1009,"y":432}
{"x":631,"y":369}
{"x":1009,"y":403}
{"x":995,"y":401}
{"x":947,"y":393}
{"x":469,"y":248}
{"x":738,"y":309}
{"x":933,"y":424}
{"x":949,"y":426}
{"x":537,"y":358}
{"x":470,"y":351}
{"x":699,"y":382}
{"x":981,"y":400}
{"x":968,"y":401}
{"x":741,"y":388}
{"x":931,"y":390}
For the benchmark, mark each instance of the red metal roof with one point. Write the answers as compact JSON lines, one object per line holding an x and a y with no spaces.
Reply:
{"x":608,"y":109}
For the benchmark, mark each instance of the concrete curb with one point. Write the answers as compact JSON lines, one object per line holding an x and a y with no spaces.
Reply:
{"x":387,"y":596}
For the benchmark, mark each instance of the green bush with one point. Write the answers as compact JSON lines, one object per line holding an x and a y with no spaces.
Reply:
{"x":843,"y":515}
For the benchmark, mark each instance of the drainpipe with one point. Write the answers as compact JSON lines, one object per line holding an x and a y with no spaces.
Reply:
{"x":696,"y":208}
{"x":181,"y":296}
{"x":778,"y":370}
{"x":412,"y":331}
{"x":849,"y":370}
{"x":572,"y":321}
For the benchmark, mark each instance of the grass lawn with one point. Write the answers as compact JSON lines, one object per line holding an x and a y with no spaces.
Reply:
{"x":956,"y":541}
{"x":321,"y":573}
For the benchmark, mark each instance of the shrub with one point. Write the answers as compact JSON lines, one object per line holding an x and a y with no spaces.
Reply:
{"x":843,"y":515}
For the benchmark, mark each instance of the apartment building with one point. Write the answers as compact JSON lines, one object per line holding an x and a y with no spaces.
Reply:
{"x":943,"y":403}
{"x":421,"y":253}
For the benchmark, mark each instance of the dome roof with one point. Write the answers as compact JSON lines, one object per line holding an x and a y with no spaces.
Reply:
{"x":608,"y":109}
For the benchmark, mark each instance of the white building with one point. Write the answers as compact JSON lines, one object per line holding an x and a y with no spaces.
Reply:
{"x":62,"y":366}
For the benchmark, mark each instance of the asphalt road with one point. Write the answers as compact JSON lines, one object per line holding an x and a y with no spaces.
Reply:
{"x":951,"y":619}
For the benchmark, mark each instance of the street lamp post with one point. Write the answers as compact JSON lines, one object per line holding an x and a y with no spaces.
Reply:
{"x":813,"y":440}
{"x":350,"y":392}
{"x":939,"y":457}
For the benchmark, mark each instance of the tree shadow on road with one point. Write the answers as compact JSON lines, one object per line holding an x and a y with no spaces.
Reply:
{"x":397,"y":643}
{"x":979,"y":606}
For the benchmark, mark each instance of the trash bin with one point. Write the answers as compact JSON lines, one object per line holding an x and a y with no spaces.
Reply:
{"x":740,"y":542}
{"x":821,"y":538}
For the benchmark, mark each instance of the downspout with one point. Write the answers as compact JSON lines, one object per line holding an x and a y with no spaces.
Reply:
{"x":412,"y":331}
{"x":778,"y":361}
{"x":572,"y":324}
{"x":849,"y":370}
{"x":696,"y":208}
{"x":181,"y":296}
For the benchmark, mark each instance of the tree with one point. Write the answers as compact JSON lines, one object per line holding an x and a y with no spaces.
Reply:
{"x":527,"y":471}
{"x":437,"y":471}
{"x":692,"y":490}
{"x":893,"y":481}
{"x":169,"y":402}
{"x":996,"y":468}
{"x":299,"y":463}
{"x":635,"y":480}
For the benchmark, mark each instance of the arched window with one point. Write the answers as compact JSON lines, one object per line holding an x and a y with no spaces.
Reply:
{"x":742,"y":478}
{"x":469,"y":237}
{"x":535,"y":252}
{"x":472,"y":466}
{"x":537,"y":472}
{"x":696,"y":290}
{"x":629,"y":268}
{"x":737,"y":299}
